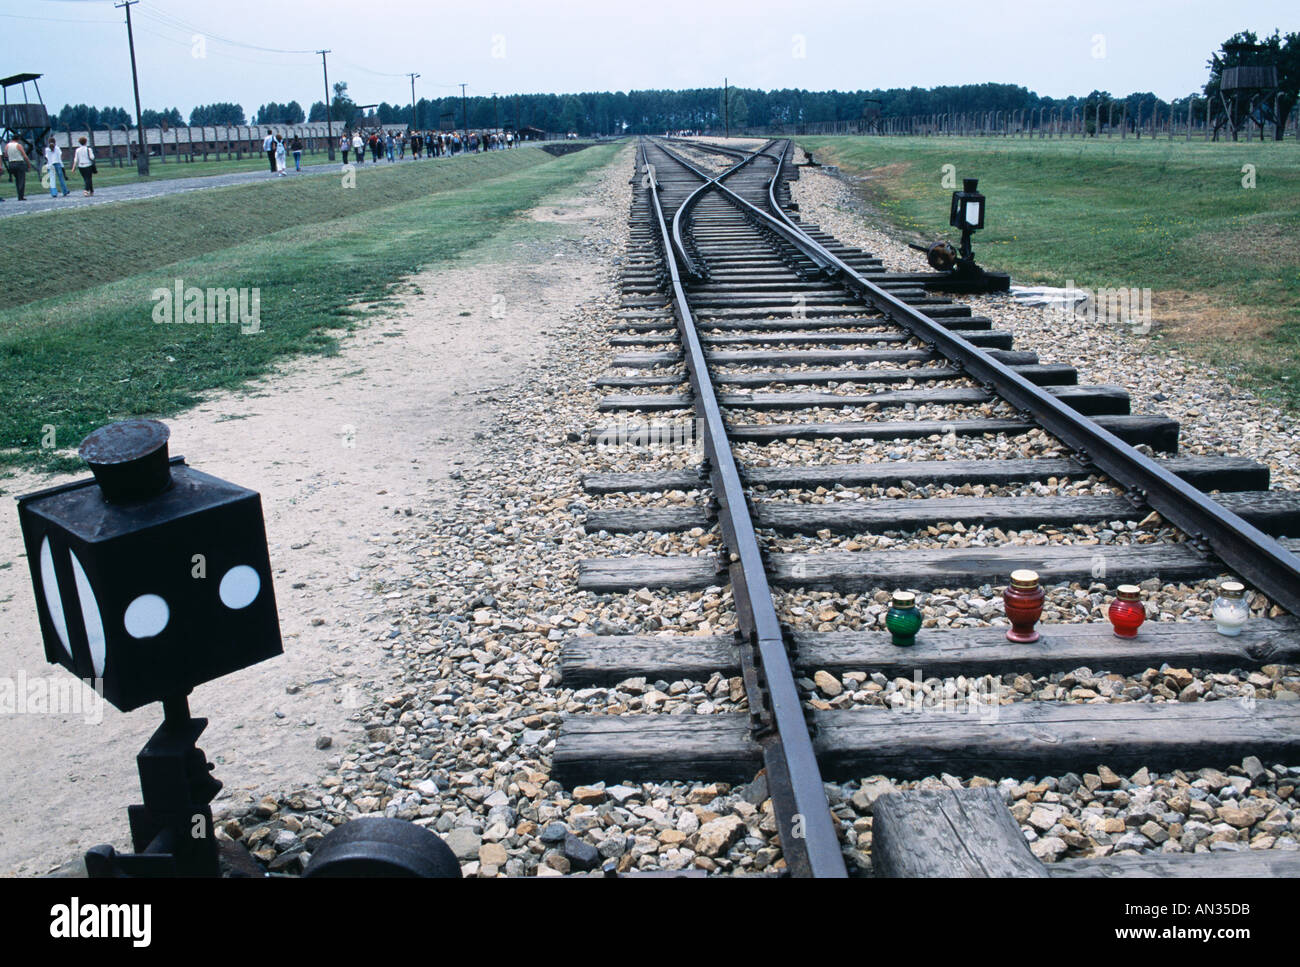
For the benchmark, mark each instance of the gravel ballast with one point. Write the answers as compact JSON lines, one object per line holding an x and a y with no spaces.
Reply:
{"x":482,"y":595}
{"x":477,"y":601}
{"x":1249,"y":806}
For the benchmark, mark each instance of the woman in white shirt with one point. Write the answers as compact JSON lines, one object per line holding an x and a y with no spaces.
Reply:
{"x":18,"y":162}
{"x":84,"y":162}
{"x":54,"y":161}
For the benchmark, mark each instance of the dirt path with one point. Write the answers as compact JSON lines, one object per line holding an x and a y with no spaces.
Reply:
{"x":342,"y":449}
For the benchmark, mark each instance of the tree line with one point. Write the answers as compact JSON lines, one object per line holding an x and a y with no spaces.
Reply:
{"x":650,"y":111}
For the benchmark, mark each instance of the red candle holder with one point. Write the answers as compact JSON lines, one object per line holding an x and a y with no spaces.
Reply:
{"x":1126,"y":612}
{"x":1023,"y":603}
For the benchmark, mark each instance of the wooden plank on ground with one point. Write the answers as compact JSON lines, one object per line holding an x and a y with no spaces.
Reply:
{"x":629,"y":520}
{"x":944,"y":652}
{"x":1043,"y":374}
{"x":1246,"y":863}
{"x":924,"y":569}
{"x":974,"y":652}
{"x":645,"y":360}
{"x":1158,"y":432}
{"x":615,"y":748}
{"x":999,"y":338}
{"x":1021,"y":739}
{"x":626,"y":573}
{"x":820,"y":357}
{"x":654,"y":379}
{"x":1272,"y":511}
{"x":771,"y":338}
{"x":842,"y":357}
{"x":921,"y":569}
{"x":1206,"y":473}
{"x":643,"y":481}
{"x":832,"y":357}
{"x":608,"y":659}
{"x":1041,"y":738}
{"x":1090,"y":400}
{"x":965,"y":833}
{"x":769,"y":325}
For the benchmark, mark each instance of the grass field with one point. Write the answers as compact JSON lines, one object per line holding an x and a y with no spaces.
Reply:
{"x":78,"y":344}
{"x":1222,"y":260}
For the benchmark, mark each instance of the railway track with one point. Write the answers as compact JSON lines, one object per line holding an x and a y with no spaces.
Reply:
{"x":744,"y":329}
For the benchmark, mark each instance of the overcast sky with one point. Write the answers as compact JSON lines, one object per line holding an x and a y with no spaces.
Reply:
{"x":186,"y":57}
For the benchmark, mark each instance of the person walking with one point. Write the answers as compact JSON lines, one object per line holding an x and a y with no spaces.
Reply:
{"x":54,"y":162}
{"x":18,"y":161}
{"x":84,"y":161}
{"x":268,"y":145}
{"x":358,"y":148}
{"x":296,"y":147}
{"x":344,"y":145}
{"x":281,"y":168}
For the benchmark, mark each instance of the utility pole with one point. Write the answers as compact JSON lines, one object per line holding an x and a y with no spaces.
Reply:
{"x":726,"y":107}
{"x":329,"y":122}
{"x":464,"y":121}
{"x":496,"y":110}
{"x":414,"y":119}
{"x":142,"y":159}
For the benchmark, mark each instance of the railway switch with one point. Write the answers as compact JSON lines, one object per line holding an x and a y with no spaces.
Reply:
{"x":957,"y":269}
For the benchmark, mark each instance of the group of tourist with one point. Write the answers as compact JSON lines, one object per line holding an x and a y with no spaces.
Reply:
{"x":18,"y":162}
{"x":380,"y":144}
{"x":276,"y":152}
{"x":432,"y":144}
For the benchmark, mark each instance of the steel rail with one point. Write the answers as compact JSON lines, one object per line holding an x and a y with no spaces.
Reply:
{"x":823,"y":260}
{"x":1251,"y":553}
{"x":808,"y":838}
{"x":697,"y":272}
{"x":715,"y":148}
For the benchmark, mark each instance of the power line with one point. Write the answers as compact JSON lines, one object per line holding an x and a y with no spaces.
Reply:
{"x":224,"y":55}
{"x":57,"y":20}
{"x":368,"y":70}
{"x":177,"y":23}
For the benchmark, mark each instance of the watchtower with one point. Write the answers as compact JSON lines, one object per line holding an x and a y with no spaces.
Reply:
{"x":1247,"y":87}
{"x":26,"y":120}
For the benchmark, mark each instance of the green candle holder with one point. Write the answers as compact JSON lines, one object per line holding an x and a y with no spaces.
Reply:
{"x":903,"y":619}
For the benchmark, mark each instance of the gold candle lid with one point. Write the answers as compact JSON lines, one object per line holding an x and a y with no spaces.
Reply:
{"x":1025,"y":579}
{"x":1128,"y":592}
{"x":1232,"y":589}
{"x":904,"y":599}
